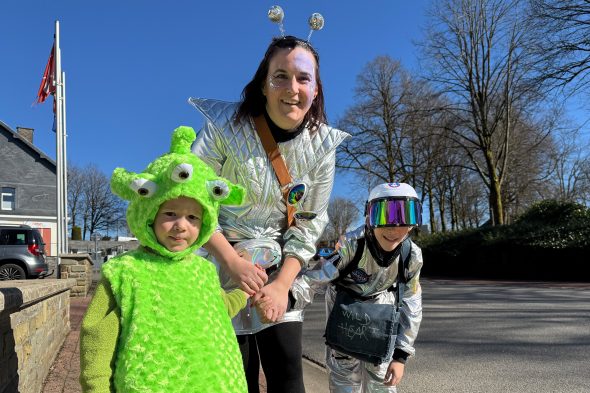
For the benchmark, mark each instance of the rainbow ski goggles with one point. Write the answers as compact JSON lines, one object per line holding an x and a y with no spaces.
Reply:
{"x":394,"y":212}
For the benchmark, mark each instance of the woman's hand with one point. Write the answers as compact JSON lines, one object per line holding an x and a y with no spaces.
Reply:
{"x":394,"y":373}
{"x":278,"y":291}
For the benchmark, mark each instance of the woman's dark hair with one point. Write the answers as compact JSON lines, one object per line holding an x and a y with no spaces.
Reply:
{"x":253,"y":102}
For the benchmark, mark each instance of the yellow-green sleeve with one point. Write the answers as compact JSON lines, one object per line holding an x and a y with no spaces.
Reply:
{"x":98,"y":341}
{"x":234,"y":301}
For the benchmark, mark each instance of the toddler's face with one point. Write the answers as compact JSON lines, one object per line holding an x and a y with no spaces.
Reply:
{"x":178,"y":223}
{"x":390,"y":237}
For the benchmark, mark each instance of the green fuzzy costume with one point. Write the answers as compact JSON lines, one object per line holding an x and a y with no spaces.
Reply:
{"x":159,"y":321}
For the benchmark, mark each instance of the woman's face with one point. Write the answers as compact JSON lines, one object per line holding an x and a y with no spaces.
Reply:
{"x":390,"y":237}
{"x":290,"y":86}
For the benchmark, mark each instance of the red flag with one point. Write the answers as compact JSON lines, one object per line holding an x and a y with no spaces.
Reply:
{"x":47,"y":83}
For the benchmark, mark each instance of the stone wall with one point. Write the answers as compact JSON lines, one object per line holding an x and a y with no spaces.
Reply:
{"x":78,"y":267}
{"x":34,"y":322}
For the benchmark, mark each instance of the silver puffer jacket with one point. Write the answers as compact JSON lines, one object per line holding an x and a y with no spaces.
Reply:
{"x":347,"y":374}
{"x":236,"y":153}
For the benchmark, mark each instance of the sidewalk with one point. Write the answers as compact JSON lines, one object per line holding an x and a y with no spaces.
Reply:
{"x":63,"y":375}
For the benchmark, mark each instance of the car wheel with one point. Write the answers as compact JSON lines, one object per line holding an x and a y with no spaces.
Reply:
{"x":12,"y":272}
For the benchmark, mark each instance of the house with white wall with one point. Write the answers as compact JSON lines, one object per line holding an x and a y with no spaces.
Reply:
{"x":28,"y":193}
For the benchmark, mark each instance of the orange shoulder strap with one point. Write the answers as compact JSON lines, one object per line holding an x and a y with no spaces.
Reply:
{"x":277,"y":161}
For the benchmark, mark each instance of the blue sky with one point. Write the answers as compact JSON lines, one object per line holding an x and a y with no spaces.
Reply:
{"x":131,"y":65}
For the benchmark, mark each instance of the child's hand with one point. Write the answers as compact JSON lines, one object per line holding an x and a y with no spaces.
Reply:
{"x":251,"y":278}
{"x":249,"y":295}
{"x":394,"y":373}
{"x":280,"y":299}
{"x":264,"y":306}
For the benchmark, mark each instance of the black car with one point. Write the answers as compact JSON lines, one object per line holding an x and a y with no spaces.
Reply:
{"x":22,"y":253}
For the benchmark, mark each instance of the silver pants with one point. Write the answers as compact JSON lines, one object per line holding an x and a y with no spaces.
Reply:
{"x":350,"y":375}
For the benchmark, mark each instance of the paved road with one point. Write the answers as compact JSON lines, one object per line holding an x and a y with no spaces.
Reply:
{"x":491,"y":337}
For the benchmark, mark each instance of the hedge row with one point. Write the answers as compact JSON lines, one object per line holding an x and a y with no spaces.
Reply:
{"x":550,"y":241}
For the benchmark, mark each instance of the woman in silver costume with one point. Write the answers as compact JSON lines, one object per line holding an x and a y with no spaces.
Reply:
{"x":392,"y":211}
{"x":287,"y":91}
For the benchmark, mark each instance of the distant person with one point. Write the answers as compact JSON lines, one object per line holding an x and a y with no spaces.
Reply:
{"x":372,"y":265}
{"x":286,"y":97}
{"x":159,"y":320}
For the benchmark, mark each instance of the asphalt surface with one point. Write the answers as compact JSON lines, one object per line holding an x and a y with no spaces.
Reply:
{"x":481,"y":336}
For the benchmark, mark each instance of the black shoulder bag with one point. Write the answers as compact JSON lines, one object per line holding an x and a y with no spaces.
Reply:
{"x":359,"y":327}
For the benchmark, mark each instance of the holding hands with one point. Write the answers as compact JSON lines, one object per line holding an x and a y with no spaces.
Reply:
{"x":273,"y":299}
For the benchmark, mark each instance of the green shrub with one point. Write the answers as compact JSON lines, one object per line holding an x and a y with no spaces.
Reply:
{"x":76,"y":233}
{"x":552,"y":212}
{"x":549,"y":232}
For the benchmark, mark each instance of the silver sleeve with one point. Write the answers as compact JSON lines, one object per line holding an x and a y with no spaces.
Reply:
{"x":301,"y":238}
{"x":411,"y":305}
{"x":314,"y":281}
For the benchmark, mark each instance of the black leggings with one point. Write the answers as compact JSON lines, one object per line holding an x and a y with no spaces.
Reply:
{"x":278,"y":348}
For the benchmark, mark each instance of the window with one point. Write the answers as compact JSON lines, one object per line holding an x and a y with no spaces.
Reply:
{"x":14,"y":237}
{"x":8,"y":198}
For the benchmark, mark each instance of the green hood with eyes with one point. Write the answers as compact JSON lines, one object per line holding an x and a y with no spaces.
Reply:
{"x":172,"y":175}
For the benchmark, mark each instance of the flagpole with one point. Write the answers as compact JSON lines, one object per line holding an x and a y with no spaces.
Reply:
{"x":59,"y":148}
{"x":65,"y":164}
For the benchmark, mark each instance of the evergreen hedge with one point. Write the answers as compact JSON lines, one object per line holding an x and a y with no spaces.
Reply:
{"x":550,"y":241}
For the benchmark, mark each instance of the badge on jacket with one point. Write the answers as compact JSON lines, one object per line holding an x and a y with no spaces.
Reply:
{"x":360,"y":276}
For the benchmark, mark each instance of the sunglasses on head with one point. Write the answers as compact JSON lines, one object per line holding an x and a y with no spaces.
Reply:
{"x":295,"y":196}
{"x":394,"y":212}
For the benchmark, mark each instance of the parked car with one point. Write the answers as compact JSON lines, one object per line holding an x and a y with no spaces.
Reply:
{"x":22,"y":253}
{"x":324,"y":252}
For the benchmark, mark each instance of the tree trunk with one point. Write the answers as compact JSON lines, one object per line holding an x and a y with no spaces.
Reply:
{"x":453,"y":209}
{"x":431,"y":211}
{"x":495,"y":192}
{"x":441,"y":209}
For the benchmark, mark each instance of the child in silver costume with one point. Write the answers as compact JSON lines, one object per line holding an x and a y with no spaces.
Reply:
{"x":392,"y":211}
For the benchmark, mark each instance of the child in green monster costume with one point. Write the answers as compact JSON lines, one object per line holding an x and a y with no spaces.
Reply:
{"x":159,"y":320}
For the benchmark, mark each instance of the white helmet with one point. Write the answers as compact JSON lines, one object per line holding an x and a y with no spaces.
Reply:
{"x":389,"y":190}
{"x":393,"y":204}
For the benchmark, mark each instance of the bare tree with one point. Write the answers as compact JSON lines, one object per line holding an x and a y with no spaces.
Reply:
{"x":470,"y":201}
{"x":529,"y":163}
{"x":562,"y":28}
{"x":343,"y":213}
{"x":381,"y":124}
{"x":75,"y":195}
{"x":476,"y":55}
{"x":569,"y":176}
{"x":398,"y":130}
{"x":100,"y":204}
